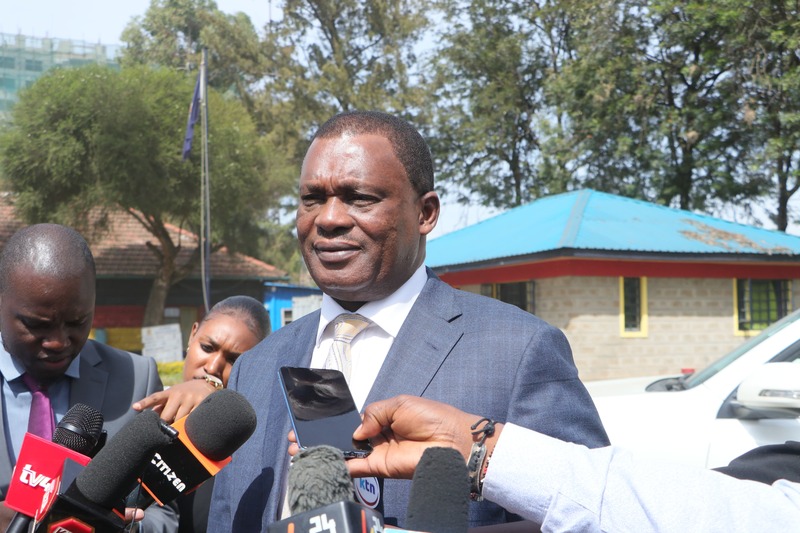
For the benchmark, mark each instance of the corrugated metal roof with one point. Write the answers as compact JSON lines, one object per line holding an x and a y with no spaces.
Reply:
{"x":592,"y":220}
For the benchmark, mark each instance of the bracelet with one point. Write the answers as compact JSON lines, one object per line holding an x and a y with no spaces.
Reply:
{"x":214,"y":381}
{"x":477,"y":456}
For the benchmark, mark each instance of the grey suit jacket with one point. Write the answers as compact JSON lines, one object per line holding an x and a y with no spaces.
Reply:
{"x":110,"y":381}
{"x":476,"y":353}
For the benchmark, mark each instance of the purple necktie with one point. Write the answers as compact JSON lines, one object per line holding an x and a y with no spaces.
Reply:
{"x":40,"y":420}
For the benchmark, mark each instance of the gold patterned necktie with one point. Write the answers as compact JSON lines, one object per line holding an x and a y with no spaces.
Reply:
{"x":345,"y":328}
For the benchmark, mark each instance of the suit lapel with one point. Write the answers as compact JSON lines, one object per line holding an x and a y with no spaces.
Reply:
{"x":93,"y":379}
{"x":427,"y":337}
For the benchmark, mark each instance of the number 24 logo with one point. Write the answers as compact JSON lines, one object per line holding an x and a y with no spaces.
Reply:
{"x":321,"y":523}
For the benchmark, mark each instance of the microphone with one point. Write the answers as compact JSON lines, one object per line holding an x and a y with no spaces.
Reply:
{"x":439,"y":498}
{"x":94,"y":498}
{"x":40,"y":462}
{"x":320,"y":496}
{"x":207,"y":437}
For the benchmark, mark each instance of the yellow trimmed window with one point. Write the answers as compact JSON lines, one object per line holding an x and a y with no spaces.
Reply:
{"x":633,"y":307}
{"x":760,"y":302}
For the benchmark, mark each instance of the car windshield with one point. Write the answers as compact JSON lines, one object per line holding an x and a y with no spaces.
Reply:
{"x":695,"y":379}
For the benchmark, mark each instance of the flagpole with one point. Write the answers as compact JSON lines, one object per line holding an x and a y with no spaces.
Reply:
{"x":205,"y":200}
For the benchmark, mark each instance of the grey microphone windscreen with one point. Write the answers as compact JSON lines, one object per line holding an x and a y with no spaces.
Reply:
{"x":318,"y":477}
{"x":220,"y":424}
{"x":439,"y":497}
{"x":113,"y":472}
{"x":79,"y":429}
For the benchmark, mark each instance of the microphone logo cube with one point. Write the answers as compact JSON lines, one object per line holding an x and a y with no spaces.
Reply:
{"x":71,"y":525}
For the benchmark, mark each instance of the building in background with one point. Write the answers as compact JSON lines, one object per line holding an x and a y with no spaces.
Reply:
{"x":24,"y":58}
{"x":639,"y":289}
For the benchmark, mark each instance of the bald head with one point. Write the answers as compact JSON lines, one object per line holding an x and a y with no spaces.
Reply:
{"x":50,"y":250}
{"x":47,"y":294}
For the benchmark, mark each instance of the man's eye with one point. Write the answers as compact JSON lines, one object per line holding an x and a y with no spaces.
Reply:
{"x":207,"y":348}
{"x":312,"y":199}
{"x":32,"y":324}
{"x":361,"y":200}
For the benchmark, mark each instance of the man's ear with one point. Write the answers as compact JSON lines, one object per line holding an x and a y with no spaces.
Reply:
{"x":429,"y":212}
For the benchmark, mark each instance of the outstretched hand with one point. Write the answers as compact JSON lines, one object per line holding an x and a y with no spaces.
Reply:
{"x":402,"y":428}
{"x":177,"y":401}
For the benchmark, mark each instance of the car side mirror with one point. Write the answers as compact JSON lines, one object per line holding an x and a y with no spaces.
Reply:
{"x":773,"y":387}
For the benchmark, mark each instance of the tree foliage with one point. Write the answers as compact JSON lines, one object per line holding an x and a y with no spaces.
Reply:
{"x":493,"y":124}
{"x":93,"y":139}
{"x":173,"y":33}
{"x":684,"y":103}
{"x":329,"y":56}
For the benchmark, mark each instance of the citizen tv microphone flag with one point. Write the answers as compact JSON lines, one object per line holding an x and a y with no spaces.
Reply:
{"x":320,"y":496}
{"x":40,"y":462}
{"x":95,"y":500}
{"x":207,"y":437}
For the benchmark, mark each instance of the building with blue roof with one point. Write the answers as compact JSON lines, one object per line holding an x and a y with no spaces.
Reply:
{"x":638,"y":288}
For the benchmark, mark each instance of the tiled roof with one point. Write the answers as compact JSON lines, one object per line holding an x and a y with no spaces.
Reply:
{"x":122,"y":252}
{"x":592,"y":221}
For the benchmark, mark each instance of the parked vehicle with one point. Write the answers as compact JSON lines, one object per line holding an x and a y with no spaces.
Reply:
{"x":745,"y":399}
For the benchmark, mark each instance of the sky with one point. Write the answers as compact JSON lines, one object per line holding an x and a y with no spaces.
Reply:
{"x":102,"y":21}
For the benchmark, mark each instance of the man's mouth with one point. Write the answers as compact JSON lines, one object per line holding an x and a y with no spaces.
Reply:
{"x":335,"y":252}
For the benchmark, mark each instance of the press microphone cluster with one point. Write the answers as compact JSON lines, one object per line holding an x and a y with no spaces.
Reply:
{"x":41,"y":462}
{"x":92,"y":498}
{"x":163,"y":460}
{"x":320,"y":495}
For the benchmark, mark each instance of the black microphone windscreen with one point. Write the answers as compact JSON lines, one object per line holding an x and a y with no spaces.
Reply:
{"x":79,"y":429}
{"x":220,"y":424}
{"x":439,"y":497}
{"x":114,"y":471}
{"x":318,"y":477}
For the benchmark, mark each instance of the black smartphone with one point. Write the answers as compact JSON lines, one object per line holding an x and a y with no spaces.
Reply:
{"x":322,"y":409}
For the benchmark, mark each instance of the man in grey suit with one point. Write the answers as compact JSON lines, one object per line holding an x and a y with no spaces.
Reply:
{"x":366,"y":206}
{"x":47,"y":297}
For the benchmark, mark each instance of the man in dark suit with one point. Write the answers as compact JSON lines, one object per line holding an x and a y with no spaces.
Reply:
{"x":366,"y":206}
{"x":47,"y":297}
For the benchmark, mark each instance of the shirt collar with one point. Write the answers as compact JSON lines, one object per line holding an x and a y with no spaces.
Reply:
{"x":388,"y":313}
{"x":13,"y":369}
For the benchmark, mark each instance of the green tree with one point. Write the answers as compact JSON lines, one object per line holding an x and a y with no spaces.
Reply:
{"x":91,"y":139}
{"x":653,"y":101}
{"x":766,"y":41}
{"x":173,"y":33}
{"x":496,"y":134}
{"x":328,"y":56}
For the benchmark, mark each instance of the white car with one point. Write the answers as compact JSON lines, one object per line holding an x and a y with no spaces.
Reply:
{"x":747,"y":398}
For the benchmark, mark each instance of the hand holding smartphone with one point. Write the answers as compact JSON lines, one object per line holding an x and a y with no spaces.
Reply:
{"x":322,"y":409}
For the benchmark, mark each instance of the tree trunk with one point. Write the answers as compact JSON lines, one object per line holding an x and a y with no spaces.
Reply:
{"x":154,"y":311}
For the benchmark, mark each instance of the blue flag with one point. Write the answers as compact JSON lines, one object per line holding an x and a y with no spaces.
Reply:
{"x":194,"y":114}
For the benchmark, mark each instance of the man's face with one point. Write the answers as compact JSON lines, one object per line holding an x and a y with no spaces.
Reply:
{"x":360,"y":223}
{"x":45,"y":321}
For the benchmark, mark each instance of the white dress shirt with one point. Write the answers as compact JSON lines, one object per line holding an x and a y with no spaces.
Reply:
{"x":370,"y":347}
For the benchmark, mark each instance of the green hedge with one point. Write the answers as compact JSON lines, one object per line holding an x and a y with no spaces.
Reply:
{"x":171,"y":373}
